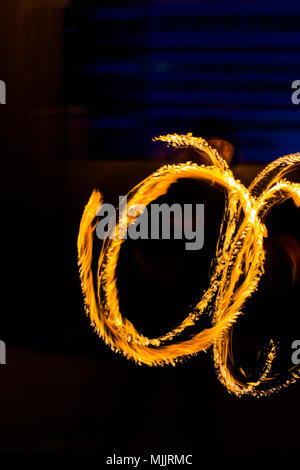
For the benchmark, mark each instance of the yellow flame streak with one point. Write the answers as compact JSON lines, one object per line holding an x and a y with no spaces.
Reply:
{"x":239,"y":265}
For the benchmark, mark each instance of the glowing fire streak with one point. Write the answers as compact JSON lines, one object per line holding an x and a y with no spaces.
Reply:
{"x":238,"y":268}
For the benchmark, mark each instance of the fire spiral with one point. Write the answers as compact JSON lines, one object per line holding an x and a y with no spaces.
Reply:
{"x":239,"y":265}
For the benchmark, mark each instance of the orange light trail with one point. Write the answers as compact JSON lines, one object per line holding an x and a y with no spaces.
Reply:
{"x":239,"y":265}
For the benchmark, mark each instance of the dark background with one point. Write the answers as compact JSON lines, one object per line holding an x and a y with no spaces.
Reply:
{"x":88,"y":85}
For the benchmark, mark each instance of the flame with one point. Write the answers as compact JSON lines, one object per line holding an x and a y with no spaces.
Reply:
{"x":239,"y":265}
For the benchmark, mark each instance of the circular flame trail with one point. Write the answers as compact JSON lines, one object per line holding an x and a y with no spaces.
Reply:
{"x":239,"y":265}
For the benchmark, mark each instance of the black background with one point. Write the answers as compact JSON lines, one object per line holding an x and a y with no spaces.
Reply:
{"x":62,"y":389}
